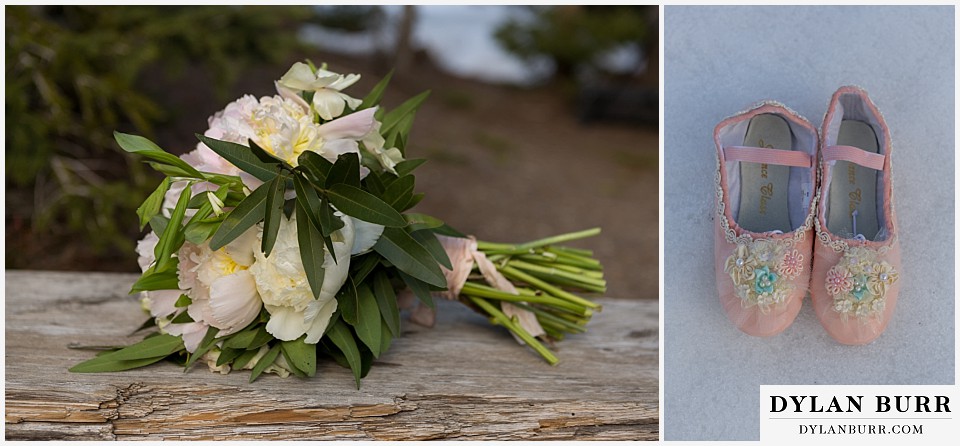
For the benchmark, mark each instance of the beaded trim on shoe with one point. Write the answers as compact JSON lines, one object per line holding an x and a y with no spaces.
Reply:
{"x":839,"y":244}
{"x":762,"y":268}
{"x":758,"y":266}
{"x":730,"y":235}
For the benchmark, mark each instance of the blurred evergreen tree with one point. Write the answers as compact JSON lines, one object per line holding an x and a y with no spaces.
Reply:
{"x":74,"y":74}
{"x":574,"y":37}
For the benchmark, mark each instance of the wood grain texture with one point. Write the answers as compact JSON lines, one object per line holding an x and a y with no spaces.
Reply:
{"x":463,"y":379}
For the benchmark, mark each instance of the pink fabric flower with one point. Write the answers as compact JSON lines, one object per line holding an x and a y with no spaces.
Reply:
{"x":838,"y":281}
{"x":792,"y":264}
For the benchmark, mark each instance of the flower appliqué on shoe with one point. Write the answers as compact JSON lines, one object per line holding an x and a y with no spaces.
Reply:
{"x":859,"y":283}
{"x":761,"y":271}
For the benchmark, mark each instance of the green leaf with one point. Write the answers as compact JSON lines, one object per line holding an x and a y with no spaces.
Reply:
{"x":265,"y":362}
{"x":420,"y":289}
{"x":198,"y":232}
{"x":159,"y":223}
{"x":387,"y":303}
{"x":242,"y":157}
{"x":301,"y":355}
{"x":315,"y":165}
{"x":150,"y":322}
{"x":362,"y":266}
{"x":206,"y":344}
{"x":348,"y":302}
{"x":152,"y":281}
{"x":416,"y":198}
{"x":345,"y":171}
{"x":405,"y":167}
{"x":373,"y":184}
{"x":416,"y":222}
{"x":366,"y":361}
{"x":274,"y":211}
{"x":172,"y":237}
{"x":311,"y":250}
{"x":244,"y":358}
{"x":295,"y":371}
{"x":161,"y":345}
{"x":329,"y":222}
{"x":228,"y":354}
{"x":428,"y":240}
{"x":172,"y":171}
{"x":261,"y":154}
{"x":398,"y":193}
{"x":385,"y":337}
{"x":200,"y":228}
{"x":251,"y":339}
{"x":248,"y":213}
{"x":151,"y":206}
{"x":198,"y":201}
{"x":376,"y":94}
{"x":409,"y":256}
{"x":391,"y":119}
{"x":103,"y":363}
{"x":403,"y":131}
{"x":144,"y":147}
{"x":448,"y":231}
{"x":182,"y":318}
{"x":364,"y":206}
{"x":368,"y":315}
{"x":343,"y":338}
{"x":183,"y":301}
{"x":143,"y":353}
{"x":307,"y":196}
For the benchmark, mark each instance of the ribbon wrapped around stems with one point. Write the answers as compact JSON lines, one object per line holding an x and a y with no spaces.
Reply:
{"x":463,"y":254}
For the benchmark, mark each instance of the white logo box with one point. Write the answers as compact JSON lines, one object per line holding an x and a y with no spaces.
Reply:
{"x":875,"y":415}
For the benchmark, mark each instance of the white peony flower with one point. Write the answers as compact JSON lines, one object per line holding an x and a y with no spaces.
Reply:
{"x":328,"y":100}
{"x":283,"y":286}
{"x":160,"y":303}
{"x":222,"y":290}
{"x":366,"y":235}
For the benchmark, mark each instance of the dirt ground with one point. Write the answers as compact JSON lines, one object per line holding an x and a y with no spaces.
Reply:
{"x":513,"y":165}
{"x":505,"y":164}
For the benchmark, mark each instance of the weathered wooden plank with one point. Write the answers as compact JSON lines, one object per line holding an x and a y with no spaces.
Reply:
{"x":463,"y":379}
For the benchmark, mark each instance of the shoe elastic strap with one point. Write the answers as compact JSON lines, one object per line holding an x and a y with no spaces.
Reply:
{"x":792,"y":158}
{"x":854,"y":155}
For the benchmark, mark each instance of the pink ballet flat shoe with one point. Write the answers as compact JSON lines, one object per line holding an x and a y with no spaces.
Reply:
{"x":765,"y":210}
{"x":856,"y":265}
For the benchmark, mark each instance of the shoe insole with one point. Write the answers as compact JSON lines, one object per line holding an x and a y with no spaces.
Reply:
{"x":764,"y":187}
{"x":853,"y":188}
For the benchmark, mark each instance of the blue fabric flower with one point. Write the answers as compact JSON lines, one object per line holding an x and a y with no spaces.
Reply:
{"x":763,"y":284}
{"x":859,"y":286}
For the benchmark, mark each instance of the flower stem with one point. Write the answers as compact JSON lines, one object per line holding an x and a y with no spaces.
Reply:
{"x":550,"y":271}
{"x":571,"y":251}
{"x":502,"y":319}
{"x":560,"y":238}
{"x":474,"y":289}
{"x":562,"y":281}
{"x":490,"y":246}
{"x":576,"y":258}
{"x":543,"y":316}
{"x":514,"y":273}
{"x":562,"y":266}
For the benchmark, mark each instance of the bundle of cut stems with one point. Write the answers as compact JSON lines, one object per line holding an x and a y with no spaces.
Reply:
{"x":546,"y":275}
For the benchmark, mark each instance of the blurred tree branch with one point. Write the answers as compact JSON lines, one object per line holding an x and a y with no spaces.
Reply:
{"x":74,"y":75}
{"x":574,"y":37}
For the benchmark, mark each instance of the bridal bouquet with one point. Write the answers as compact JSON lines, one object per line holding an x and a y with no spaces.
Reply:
{"x":286,"y":236}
